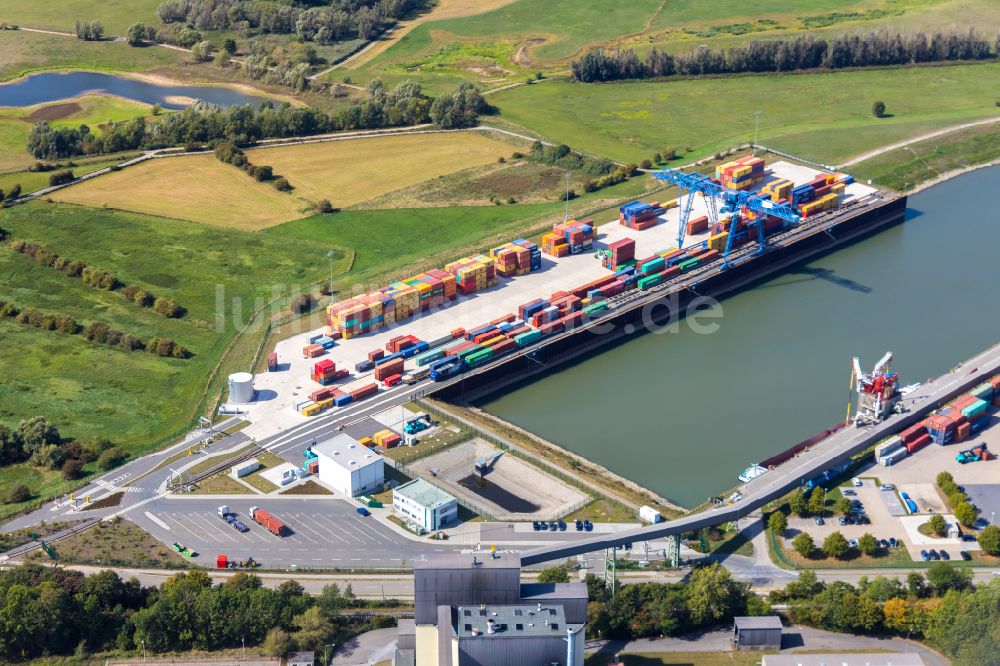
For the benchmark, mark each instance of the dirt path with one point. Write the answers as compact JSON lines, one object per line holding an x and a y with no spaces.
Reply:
{"x":916,"y":139}
{"x":47,"y":32}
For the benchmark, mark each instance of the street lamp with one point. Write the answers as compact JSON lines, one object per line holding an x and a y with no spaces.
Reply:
{"x":243,"y":642}
{"x":566,"y":216}
{"x":329,"y":255}
{"x":326,"y":653}
{"x":143,"y":642}
{"x":756,"y":126}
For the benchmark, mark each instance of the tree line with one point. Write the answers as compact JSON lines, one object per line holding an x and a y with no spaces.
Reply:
{"x":322,"y":21}
{"x":602,"y":172}
{"x":872,"y":49}
{"x":98,"y":278}
{"x":207,"y":124}
{"x":37,"y":441}
{"x":230,"y":154}
{"x":53,"y":611}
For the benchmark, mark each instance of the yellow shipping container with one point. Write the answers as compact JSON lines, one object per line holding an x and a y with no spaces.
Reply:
{"x":325,"y":404}
{"x":667,"y":205}
{"x":365,"y":441}
{"x":718,"y":241}
{"x":493,"y":341}
{"x":311,"y":410}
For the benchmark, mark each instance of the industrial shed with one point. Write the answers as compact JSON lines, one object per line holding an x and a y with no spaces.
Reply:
{"x":757,"y":633}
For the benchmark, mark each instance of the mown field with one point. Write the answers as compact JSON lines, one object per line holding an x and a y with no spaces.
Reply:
{"x":22,"y":52}
{"x":91,"y":110}
{"x":115,"y":15}
{"x":823,"y":116}
{"x":202,"y":189}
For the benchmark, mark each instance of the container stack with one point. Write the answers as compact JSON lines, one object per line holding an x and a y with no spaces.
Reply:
{"x":915,"y":437}
{"x":890,"y":451}
{"x":393,"y":367}
{"x":638,"y":215}
{"x":312,"y":351}
{"x":697,"y":225}
{"x":355,"y":316}
{"x":272,"y":362}
{"x":386,"y":439}
{"x":778,"y":189}
{"x":517,"y":258}
{"x":741,"y":174}
{"x":473,"y":273}
{"x":571,"y":237}
{"x":619,"y":254}
{"x":325,"y":372}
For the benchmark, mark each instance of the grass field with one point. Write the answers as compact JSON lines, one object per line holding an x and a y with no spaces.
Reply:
{"x":348,"y":172}
{"x":134,"y":398}
{"x":906,"y":167}
{"x":91,"y":110}
{"x":115,"y":15}
{"x":199,"y":188}
{"x":630,"y":121}
{"x":31,"y":181}
{"x":22,"y":52}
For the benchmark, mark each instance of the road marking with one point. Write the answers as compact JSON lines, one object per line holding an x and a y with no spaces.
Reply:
{"x":157,"y":521}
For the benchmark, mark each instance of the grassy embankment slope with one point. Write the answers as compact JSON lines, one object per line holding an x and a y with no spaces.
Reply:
{"x":822,"y":116}
{"x":202,"y":189}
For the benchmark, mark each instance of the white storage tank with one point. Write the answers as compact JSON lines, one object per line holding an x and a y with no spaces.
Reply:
{"x":241,"y":387}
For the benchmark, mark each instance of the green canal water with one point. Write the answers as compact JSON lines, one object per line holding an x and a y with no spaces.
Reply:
{"x":684,"y":413}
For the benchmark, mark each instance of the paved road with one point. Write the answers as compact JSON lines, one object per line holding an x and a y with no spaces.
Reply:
{"x":774,"y":484}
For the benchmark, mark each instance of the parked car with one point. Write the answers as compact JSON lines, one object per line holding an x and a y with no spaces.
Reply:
{"x":562,"y":525}
{"x":847,"y":492}
{"x":579,"y":526}
{"x":887,"y":486}
{"x":934,"y":555}
{"x":588,"y":526}
{"x":856,"y":481}
{"x":863,"y":520}
{"x":819,"y":520}
{"x":968,"y":537}
{"x":892,"y":542}
{"x":924,"y":555}
{"x":944,"y":555}
{"x":362,"y":511}
{"x":534,"y":525}
{"x":965,"y":555}
{"x":553,"y":526}
{"x":842,"y":521}
{"x":884,"y":543}
{"x":853,"y":543}
{"x":856,"y":503}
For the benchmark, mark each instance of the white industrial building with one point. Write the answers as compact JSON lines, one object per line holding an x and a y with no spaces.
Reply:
{"x":348,"y":467}
{"x":424,"y":505}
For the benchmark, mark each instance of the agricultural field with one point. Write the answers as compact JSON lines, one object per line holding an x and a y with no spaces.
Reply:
{"x":631,"y":121}
{"x":202,"y":189}
{"x":23,"y":52}
{"x":92,"y":110}
{"x":134,"y":398}
{"x":61,"y":15}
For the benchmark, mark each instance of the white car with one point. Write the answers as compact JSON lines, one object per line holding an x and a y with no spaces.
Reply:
{"x":887,"y":486}
{"x":856,"y":481}
{"x":853,"y":543}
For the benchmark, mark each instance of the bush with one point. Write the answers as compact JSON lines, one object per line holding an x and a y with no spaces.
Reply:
{"x":646,"y":164}
{"x":282,"y":185}
{"x":966,"y":514}
{"x":867,"y":544}
{"x":167,"y":307}
{"x":15,"y":192}
{"x":989,"y":540}
{"x":111,"y":458}
{"x":777,"y":523}
{"x":95,"y":277}
{"x":7,"y":309}
{"x":943,"y":477}
{"x":835,"y":545}
{"x":262,"y":173}
{"x":302,"y":304}
{"x":937,"y":525}
{"x":72,"y":469}
{"x":557,"y":574}
{"x":324,"y":206}
{"x":878,"y":109}
{"x":61,"y":177}
{"x":18,"y":493}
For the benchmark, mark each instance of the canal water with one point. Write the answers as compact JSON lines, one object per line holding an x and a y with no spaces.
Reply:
{"x":54,"y":86}
{"x":684,"y":413}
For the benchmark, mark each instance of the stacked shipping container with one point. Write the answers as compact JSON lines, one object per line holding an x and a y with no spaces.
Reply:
{"x":517,"y":258}
{"x":741,"y":174}
{"x":572,"y":237}
{"x":639,"y":216}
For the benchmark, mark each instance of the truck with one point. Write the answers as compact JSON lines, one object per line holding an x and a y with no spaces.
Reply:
{"x":269,"y":522}
{"x":416,"y":375}
{"x":974,"y":454}
{"x":231,"y":518}
{"x":446,"y":367}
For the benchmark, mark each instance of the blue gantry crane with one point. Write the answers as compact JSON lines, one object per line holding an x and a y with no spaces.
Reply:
{"x":733,"y":203}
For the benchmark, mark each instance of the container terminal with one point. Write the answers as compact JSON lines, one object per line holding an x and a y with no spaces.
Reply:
{"x":351,"y":363}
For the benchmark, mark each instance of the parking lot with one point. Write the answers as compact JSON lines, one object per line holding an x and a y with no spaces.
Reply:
{"x":325,"y":533}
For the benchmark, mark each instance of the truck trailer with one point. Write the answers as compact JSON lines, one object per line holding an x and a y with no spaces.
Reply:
{"x":269,"y":522}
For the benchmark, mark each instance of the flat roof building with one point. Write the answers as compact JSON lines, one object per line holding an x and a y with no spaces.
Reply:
{"x":423,"y":504}
{"x":757,"y":633}
{"x":348,"y":467}
{"x":859,"y":659}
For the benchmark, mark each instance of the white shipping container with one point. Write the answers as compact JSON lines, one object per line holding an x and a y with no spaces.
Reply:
{"x":893,"y":458}
{"x":888,"y":446}
{"x":649,"y":514}
{"x":246,"y":467}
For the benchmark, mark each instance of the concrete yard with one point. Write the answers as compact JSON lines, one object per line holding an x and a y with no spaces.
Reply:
{"x":508,"y":491}
{"x":281,"y":390}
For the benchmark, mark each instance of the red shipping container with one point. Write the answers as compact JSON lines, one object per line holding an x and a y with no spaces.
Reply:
{"x":394,"y":367}
{"x":503,"y":347}
{"x":697,"y":225}
{"x":321,"y":394}
{"x":391,"y":441}
{"x":314,"y":467}
{"x":558,"y":294}
{"x":312,"y":351}
{"x":488,"y":335}
{"x":324,"y":367}
{"x":507,"y":318}
{"x":391,"y":345}
{"x":918,"y":443}
{"x":514,"y":332}
{"x":913,"y":432}
{"x":392,"y":380}
{"x":962,"y":432}
{"x":459,"y":348}
{"x":364,"y":391}
{"x":375,"y":355}
{"x":670,"y":272}
{"x":939,"y":423}
{"x":572,"y":320}
{"x":549,"y":329}
{"x":458,"y":333}
{"x":995,"y":382}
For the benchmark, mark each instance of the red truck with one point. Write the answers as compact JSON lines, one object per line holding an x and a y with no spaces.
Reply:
{"x":272,"y":524}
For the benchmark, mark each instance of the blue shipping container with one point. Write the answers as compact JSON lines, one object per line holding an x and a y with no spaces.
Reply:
{"x":341,"y":400}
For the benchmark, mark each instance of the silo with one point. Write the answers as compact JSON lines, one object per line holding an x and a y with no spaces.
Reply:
{"x":241,"y":387}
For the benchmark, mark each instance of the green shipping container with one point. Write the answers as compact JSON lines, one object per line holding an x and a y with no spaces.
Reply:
{"x":650,"y":281}
{"x":525,"y":339}
{"x":596,"y":308}
{"x":479,"y":357}
{"x":465,"y":353}
{"x":427,"y":357}
{"x":976,"y":408}
{"x":689,"y":264}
